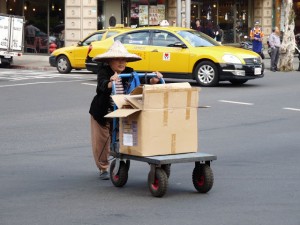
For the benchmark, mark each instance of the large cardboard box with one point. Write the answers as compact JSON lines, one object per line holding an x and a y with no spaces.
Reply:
{"x":158,"y":120}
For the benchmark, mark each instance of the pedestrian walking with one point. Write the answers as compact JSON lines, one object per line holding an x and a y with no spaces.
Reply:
{"x":274,"y":42}
{"x":256,"y":35}
{"x":115,"y":58}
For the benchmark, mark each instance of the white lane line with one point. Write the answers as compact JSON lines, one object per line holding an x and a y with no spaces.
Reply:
{"x":50,"y":82}
{"x":89,"y":84}
{"x":292,"y":109}
{"x":240,"y":103}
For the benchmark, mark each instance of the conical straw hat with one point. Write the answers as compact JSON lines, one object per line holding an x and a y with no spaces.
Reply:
{"x":117,"y":50}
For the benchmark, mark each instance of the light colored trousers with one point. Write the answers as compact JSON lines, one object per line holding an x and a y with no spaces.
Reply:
{"x":100,"y":143}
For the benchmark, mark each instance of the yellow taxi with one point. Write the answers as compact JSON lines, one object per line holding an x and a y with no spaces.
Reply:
{"x":183,"y":53}
{"x":73,"y":57}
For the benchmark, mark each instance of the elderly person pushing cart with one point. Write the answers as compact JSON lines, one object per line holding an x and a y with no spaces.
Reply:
{"x":115,"y":58}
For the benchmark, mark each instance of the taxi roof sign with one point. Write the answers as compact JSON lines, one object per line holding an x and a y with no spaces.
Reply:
{"x":164,"y":23}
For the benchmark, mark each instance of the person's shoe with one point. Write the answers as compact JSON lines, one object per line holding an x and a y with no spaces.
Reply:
{"x":104,"y":175}
{"x":273,"y":70}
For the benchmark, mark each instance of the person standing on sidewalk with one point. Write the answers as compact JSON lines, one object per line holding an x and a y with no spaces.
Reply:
{"x":274,"y":41}
{"x":256,"y":36}
{"x":116,"y":58}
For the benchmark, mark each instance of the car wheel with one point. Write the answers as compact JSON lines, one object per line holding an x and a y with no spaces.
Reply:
{"x":206,"y":74}
{"x":238,"y":82}
{"x":63,"y":64}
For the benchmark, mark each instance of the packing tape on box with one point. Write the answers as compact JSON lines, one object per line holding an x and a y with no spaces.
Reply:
{"x":187,"y":114}
{"x":173,"y":144}
{"x":166,"y":117}
{"x":166,"y":100}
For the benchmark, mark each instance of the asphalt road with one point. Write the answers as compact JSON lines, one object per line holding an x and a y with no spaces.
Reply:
{"x":47,"y":173}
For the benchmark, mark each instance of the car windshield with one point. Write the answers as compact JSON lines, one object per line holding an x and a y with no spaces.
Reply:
{"x":197,"y":39}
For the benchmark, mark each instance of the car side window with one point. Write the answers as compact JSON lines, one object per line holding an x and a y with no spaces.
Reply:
{"x":134,"y":38}
{"x":111,"y":33}
{"x":165,"y":39}
{"x":94,"y":37}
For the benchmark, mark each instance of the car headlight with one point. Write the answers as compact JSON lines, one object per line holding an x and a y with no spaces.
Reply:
{"x":231,"y":59}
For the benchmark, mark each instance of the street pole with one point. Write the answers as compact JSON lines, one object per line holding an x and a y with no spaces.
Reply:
{"x":179,"y":13}
{"x":188,"y":13}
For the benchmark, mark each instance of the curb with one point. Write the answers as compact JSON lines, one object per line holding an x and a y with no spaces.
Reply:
{"x":43,"y":68}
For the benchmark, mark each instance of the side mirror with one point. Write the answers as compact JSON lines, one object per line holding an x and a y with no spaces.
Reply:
{"x":178,"y":45}
{"x":79,"y":43}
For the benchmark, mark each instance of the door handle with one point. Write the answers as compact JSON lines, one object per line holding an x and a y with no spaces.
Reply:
{"x":155,"y":50}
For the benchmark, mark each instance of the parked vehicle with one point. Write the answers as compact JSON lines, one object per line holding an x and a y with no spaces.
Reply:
{"x":73,"y":57}
{"x":183,"y":53}
{"x":11,"y":38}
{"x":246,"y":43}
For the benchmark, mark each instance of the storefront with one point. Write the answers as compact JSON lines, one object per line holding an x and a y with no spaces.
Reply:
{"x":44,"y":22}
{"x":232,"y":16}
{"x":144,"y":12}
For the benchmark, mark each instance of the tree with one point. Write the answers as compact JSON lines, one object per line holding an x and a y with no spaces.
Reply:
{"x":287,"y":49}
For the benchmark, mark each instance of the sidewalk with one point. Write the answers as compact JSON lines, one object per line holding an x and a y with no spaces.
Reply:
{"x":32,"y":62}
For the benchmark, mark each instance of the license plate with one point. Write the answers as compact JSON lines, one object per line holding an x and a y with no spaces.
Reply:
{"x":257,"y":71}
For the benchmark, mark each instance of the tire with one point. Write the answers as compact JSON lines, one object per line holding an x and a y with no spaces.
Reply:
{"x":203,"y":178}
{"x":127,"y":164}
{"x":206,"y":74}
{"x":119,"y":179}
{"x":63,"y":64}
{"x":160,"y":185}
{"x":167,"y":169}
{"x":238,"y":82}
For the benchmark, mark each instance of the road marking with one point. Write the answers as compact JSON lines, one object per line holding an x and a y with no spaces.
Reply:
{"x":232,"y":102}
{"x":292,"y":109}
{"x":50,"y":82}
{"x":89,"y":84}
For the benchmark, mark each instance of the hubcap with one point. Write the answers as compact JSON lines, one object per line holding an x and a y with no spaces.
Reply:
{"x":62,"y":64}
{"x":155,"y":186}
{"x":201,"y":181}
{"x":206,"y":74}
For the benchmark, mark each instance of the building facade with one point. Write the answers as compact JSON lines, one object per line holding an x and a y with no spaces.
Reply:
{"x":65,"y":22}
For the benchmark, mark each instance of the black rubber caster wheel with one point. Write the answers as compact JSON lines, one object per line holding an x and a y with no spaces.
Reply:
{"x":203,"y":178}
{"x":160,"y":185}
{"x":167,"y":169}
{"x":127,"y":164}
{"x":119,"y":179}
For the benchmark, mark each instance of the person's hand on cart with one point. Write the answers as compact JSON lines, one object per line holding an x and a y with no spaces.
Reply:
{"x":155,"y":80}
{"x":113,"y":78}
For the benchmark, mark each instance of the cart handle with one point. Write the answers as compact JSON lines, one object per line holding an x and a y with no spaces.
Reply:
{"x":126,"y":75}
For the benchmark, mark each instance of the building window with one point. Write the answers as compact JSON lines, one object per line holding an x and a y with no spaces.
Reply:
{"x":44,"y":23}
{"x":231,"y":15}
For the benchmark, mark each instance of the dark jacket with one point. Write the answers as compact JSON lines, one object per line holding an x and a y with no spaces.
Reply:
{"x":101,"y":102}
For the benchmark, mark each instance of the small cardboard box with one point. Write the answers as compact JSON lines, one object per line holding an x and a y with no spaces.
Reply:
{"x":158,"y":120}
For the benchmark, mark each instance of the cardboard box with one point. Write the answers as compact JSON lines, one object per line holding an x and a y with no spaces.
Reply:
{"x":158,"y":120}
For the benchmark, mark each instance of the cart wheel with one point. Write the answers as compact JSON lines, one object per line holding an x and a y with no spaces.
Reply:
{"x":119,"y":179}
{"x":160,"y":185}
{"x":203,"y":178}
{"x":167,"y":169}
{"x":127,"y":164}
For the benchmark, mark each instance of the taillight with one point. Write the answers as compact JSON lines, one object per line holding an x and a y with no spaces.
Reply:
{"x":89,"y":50}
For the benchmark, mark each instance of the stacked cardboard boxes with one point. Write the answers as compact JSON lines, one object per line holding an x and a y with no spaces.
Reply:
{"x":158,"y":120}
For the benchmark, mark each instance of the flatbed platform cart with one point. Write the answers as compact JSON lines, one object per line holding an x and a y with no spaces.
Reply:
{"x":160,"y":166}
